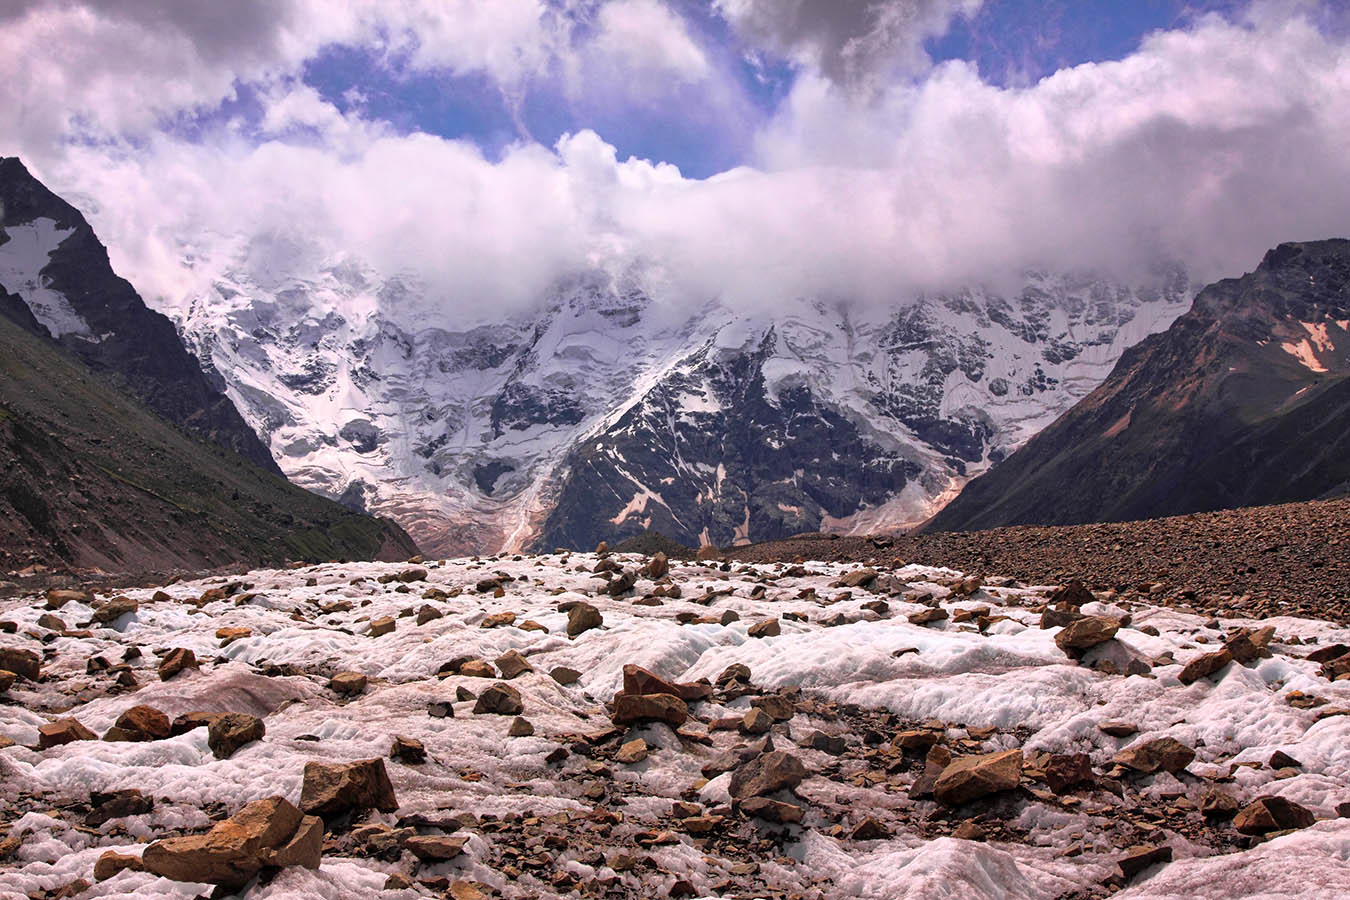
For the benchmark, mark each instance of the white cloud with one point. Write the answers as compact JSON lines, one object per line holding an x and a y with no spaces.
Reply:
{"x":644,"y":37}
{"x":1208,"y":145}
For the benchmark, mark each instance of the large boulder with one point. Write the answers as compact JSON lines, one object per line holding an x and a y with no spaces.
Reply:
{"x":265,"y":832}
{"x":971,"y":777}
{"x":331,"y":789}
{"x":113,"y":610}
{"x":1086,"y":633}
{"x":228,"y":732}
{"x":1266,"y":814}
{"x":637,"y":680}
{"x":501,"y":700}
{"x":24,"y":663}
{"x":140,"y":723}
{"x":1204,"y":666}
{"x":630,"y":709}
{"x":63,"y":731}
{"x":581,"y":618}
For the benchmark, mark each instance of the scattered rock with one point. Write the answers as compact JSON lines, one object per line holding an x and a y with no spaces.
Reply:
{"x":564,"y":676}
{"x":1085,"y":633}
{"x":63,"y":731}
{"x":24,"y":663}
{"x":140,"y":723}
{"x":512,"y":664}
{"x":1160,"y":754}
{"x":632,"y":708}
{"x":765,"y":774}
{"x":348,"y":683}
{"x":766,"y":628}
{"x":434,"y":848}
{"x":501,"y":700}
{"x":382,"y":626}
{"x":331,"y":789}
{"x":520,"y":727}
{"x":228,"y":732}
{"x":111,"y":864}
{"x":582,"y":618}
{"x":176,"y":661}
{"x":771,"y":810}
{"x":1137,"y":859}
{"x":113,"y":610}
{"x":1266,"y":814}
{"x":1204,"y":666}
{"x":635,"y":751}
{"x":234,"y":850}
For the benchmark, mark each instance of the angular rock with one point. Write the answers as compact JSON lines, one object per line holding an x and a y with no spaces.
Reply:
{"x":928,"y":616}
{"x":113,"y":610}
{"x":233,"y":851}
{"x":582,"y":618}
{"x":1117,"y":728}
{"x":176,"y":661}
{"x":635,"y":751}
{"x":382,"y":626}
{"x":111,"y":864}
{"x":1137,"y":859}
{"x":766,"y":773}
{"x":500,"y":699}
{"x":563,"y":675}
{"x":1068,"y":770}
{"x":331,"y":789}
{"x":24,"y":663}
{"x":771,"y":810}
{"x":1086,"y":633}
{"x":1160,"y":754}
{"x":434,"y":848}
{"x":63,"y":731}
{"x":637,"y":680}
{"x":633,"y":708}
{"x":477,"y":668}
{"x":1074,"y":594}
{"x":1219,"y":804}
{"x":348,"y":683}
{"x":408,"y":750}
{"x":109,"y":805}
{"x":971,"y":777}
{"x":512,"y":664}
{"x":756,"y":721}
{"x":141,"y":723}
{"x":1204,"y":666}
{"x":1266,"y":814}
{"x":428,"y":613}
{"x":305,"y":847}
{"x":520,"y":727}
{"x":766,"y":628}
{"x":228,"y":732}
{"x":658,"y":566}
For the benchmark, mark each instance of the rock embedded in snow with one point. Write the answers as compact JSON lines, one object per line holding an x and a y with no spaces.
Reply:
{"x":63,"y":731}
{"x":113,"y":610}
{"x":500,"y":699}
{"x":564,"y":675}
{"x":408,"y":750}
{"x":765,"y":628}
{"x":582,"y":617}
{"x":1141,"y":857}
{"x":176,"y":661}
{"x":520,"y":727}
{"x":111,"y":864}
{"x":512,"y":664}
{"x":1267,"y":814}
{"x":140,"y":723}
{"x":635,"y":751}
{"x":1085,"y":633}
{"x":227,"y":732}
{"x":382,"y":626}
{"x":348,"y":683}
{"x":771,"y":810}
{"x":24,"y":663}
{"x":435,"y":848}
{"x":971,"y":777}
{"x":1204,"y":666}
{"x":331,"y":789}
{"x":235,"y":850}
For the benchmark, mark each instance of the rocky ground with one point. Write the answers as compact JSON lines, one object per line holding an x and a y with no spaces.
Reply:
{"x":1290,"y":559}
{"x":583,"y":725}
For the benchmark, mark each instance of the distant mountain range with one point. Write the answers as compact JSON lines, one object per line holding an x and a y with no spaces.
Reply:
{"x":116,"y":450}
{"x":1244,"y":401}
{"x":608,"y":410}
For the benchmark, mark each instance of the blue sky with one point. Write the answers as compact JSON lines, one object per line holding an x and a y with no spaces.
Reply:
{"x":1013,"y":43}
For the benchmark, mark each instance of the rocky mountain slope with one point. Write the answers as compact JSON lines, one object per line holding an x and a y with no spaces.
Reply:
{"x":611,"y":409}
{"x":1245,"y":400}
{"x":573,"y":726}
{"x":51,"y":259}
{"x":90,"y":478}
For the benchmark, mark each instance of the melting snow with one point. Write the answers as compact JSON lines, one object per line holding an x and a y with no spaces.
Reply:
{"x":22,"y":259}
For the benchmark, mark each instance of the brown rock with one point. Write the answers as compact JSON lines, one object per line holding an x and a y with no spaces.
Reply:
{"x":520,"y":727}
{"x":1160,"y":754}
{"x":24,"y":663}
{"x":305,"y":847}
{"x":433,"y":848}
{"x":408,"y":750}
{"x":190,"y":720}
{"x":382,"y":626}
{"x":928,"y":616}
{"x":632,"y":708}
{"x":635,"y":751}
{"x":230,"y":853}
{"x":176,"y":661}
{"x":428,"y":613}
{"x":1266,"y":814}
{"x":348,"y":683}
{"x":330,"y":789}
{"x":637,"y":680}
{"x":113,"y":610}
{"x":1074,"y":594}
{"x":756,"y":721}
{"x":772,"y":810}
{"x":228,"y":732}
{"x":765,"y":774}
{"x":112,"y":863}
{"x":708,"y":553}
{"x":1204,"y":666}
{"x":512,"y":663}
{"x":7,"y":679}
{"x":564,"y":676}
{"x":63,"y":731}
{"x":228,"y":635}
{"x":57,"y":598}
{"x":582,"y":618}
{"x":1219,"y":804}
{"x":142,"y":723}
{"x":1117,"y":728}
{"x":971,"y":777}
{"x":477,"y":668}
{"x":51,"y":622}
{"x":1068,"y":770}
{"x":1086,"y":633}
{"x":500,"y":699}
{"x":658,"y":566}
{"x":1137,"y":859}
{"x":970,"y":831}
{"x":870,"y":829}
{"x":766,"y":628}
{"x":108,"y":805}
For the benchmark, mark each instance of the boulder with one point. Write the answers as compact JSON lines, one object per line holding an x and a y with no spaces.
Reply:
{"x":582,"y":618}
{"x":971,"y":777}
{"x":432,"y":848}
{"x":407,"y":750}
{"x":382,"y":626}
{"x":24,"y":663}
{"x":632,"y":708}
{"x":512,"y":663}
{"x":331,"y":789}
{"x":176,"y":661}
{"x":234,"y":850}
{"x":1160,"y":754}
{"x":637,"y":680}
{"x":108,"y":805}
{"x":348,"y":683}
{"x":113,"y":610}
{"x":227,"y":732}
{"x":635,"y":751}
{"x":1204,"y":666}
{"x":111,"y":864}
{"x":1085,"y":633}
{"x":658,"y":566}
{"x":63,"y":731}
{"x":771,"y":810}
{"x":1137,"y":859}
{"x":1266,"y":814}
{"x":1074,"y":594}
{"x":500,"y":699}
{"x":766,"y":628}
{"x":765,"y":774}
{"x":140,"y":723}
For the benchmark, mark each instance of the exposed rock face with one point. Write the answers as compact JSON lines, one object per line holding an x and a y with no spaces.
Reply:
{"x":266,"y":832}
{"x":329,"y":790}
{"x":1241,"y":402}
{"x":972,"y":777}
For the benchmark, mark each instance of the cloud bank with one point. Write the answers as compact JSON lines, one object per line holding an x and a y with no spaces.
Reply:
{"x":1207,"y":145}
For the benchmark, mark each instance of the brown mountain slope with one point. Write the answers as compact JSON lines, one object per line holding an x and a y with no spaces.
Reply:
{"x":1244,"y":401}
{"x":91,"y":478}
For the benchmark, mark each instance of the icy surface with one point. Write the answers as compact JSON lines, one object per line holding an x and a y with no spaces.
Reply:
{"x":1010,"y":678}
{"x":22,"y":259}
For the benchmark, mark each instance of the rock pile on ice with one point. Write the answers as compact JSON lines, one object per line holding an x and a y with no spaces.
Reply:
{"x":583,"y":725}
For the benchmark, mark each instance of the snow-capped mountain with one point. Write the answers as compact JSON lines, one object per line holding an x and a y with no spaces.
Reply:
{"x":608,"y":410}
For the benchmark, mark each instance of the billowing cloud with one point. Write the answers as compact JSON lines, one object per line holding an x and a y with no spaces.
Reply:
{"x":1207,"y":145}
{"x":853,"y":42}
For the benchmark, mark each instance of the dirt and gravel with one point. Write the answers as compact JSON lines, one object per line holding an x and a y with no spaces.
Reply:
{"x":1292,"y":559}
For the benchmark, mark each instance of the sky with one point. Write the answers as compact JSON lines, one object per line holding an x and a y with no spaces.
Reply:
{"x":858,"y":150}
